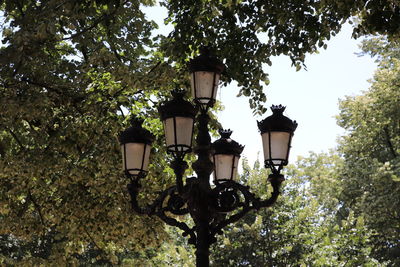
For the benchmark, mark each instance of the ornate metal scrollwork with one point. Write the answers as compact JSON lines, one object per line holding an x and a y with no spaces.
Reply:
{"x":227,"y":202}
{"x":176,"y":204}
{"x":169,"y":201}
{"x":226,"y":198}
{"x":240,"y":201}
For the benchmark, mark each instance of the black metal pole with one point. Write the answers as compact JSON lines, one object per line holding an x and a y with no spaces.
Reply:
{"x":200,"y":206}
{"x":203,"y":244}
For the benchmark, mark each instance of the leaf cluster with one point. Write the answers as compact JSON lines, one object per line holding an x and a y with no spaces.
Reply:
{"x":371,"y":149}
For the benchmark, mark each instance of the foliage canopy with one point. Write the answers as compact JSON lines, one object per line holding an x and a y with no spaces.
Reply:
{"x":69,"y":70}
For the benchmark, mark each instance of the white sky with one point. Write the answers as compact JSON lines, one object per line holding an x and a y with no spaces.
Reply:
{"x":311,"y":97}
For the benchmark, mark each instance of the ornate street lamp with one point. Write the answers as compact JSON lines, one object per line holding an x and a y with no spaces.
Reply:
{"x":178,"y":116}
{"x":226,"y":157}
{"x":135,"y":146}
{"x":276,"y":132}
{"x":205,"y":71}
{"x":211,"y":206}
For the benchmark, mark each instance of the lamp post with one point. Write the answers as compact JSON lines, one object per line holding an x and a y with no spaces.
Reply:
{"x":212,"y":206}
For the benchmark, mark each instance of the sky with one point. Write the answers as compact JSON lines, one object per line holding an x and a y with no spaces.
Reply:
{"x":311,"y":96}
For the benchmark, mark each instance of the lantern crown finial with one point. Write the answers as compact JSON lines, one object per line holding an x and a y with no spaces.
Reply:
{"x":205,"y":50}
{"x":136,"y":121}
{"x":178,"y":106}
{"x":136,"y":133}
{"x":225,"y":133}
{"x":206,"y":61}
{"x":278,"y":109}
{"x":277,"y":121}
{"x":178,"y":93}
{"x":225,"y":145}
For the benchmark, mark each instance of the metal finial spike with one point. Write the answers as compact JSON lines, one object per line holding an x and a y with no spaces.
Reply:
{"x":225,"y":133}
{"x":136,"y":121}
{"x":278,"y":108}
{"x":205,"y":50}
{"x":178,"y":93}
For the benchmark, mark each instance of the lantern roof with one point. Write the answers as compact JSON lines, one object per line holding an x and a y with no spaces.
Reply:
{"x":177,"y":107}
{"x":136,"y":133}
{"x":277,"y":121}
{"x":226,"y":145}
{"x":206,"y":62}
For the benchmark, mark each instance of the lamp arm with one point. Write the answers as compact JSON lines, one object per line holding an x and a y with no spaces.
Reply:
{"x":245,"y":204}
{"x":133,"y":189}
{"x":181,"y":225}
{"x":179,"y":166}
{"x":168,"y":201}
{"x":234,"y":218}
{"x":250,"y":202}
{"x":276,"y":180}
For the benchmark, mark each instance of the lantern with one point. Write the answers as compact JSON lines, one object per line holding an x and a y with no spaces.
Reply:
{"x":135,"y":145}
{"x":178,"y":116}
{"x":276,"y":132}
{"x":226,"y":154}
{"x":205,"y":72}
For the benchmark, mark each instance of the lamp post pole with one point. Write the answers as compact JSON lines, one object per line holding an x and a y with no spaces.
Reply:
{"x":211,"y":206}
{"x":203,"y":168}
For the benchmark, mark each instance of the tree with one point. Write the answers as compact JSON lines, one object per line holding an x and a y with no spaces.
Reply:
{"x":64,"y":77}
{"x":305,"y":227}
{"x":339,"y":237}
{"x":272,"y":236}
{"x":371,"y":149}
{"x":70,"y":70}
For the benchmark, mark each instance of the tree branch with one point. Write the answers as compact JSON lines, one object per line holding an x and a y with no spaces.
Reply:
{"x":20,"y":8}
{"x":389,"y":142}
{"x":2,"y":150}
{"x":48,"y":87}
{"x":153,"y":68}
{"x":92,"y":240}
{"x":95,"y":23}
{"x":60,"y":91}
{"x":37,"y":208}
{"x":122,"y":112}
{"x":16,"y":138}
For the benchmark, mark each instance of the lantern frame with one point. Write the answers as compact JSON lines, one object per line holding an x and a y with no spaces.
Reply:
{"x":205,"y":63}
{"x":178,"y":110}
{"x":225,"y":147}
{"x":276,"y":124}
{"x":136,"y":134}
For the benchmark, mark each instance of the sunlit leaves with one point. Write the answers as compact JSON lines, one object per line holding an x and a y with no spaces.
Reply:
{"x":371,"y":151}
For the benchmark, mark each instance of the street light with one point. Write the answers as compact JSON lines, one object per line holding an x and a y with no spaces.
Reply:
{"x":226,"y":154}
{"x":178,"y":116}
{"x":205,"y":71}
{"x":212,"y":206}
{"x":135,"y":146}
{"x":276,"y":132}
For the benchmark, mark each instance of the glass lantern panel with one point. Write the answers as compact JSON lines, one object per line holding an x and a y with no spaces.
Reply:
{"x":183,"y":129}
{"x":279,"y":146}
{"x":204,"y":83}
{"x":223,"y":166}
{"x":133,"y":159}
